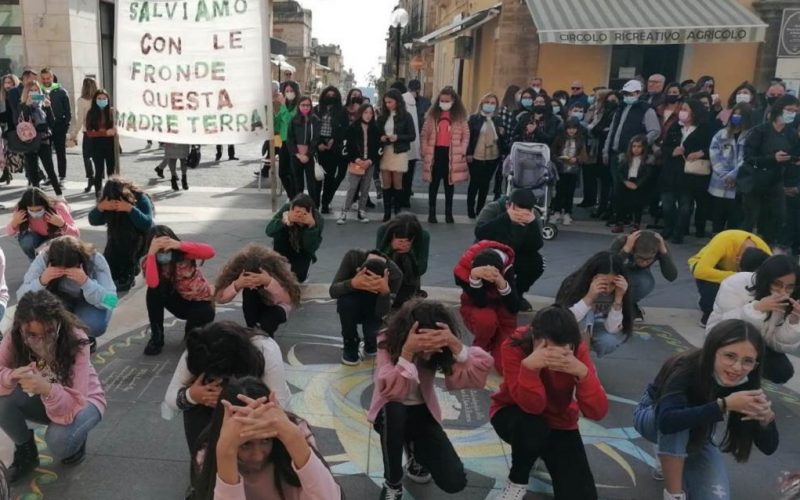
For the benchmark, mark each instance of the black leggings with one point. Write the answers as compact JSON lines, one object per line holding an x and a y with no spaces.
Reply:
{"x":565,"y":193}
{"x":480,"y":175}
{"x":399,"y":424}
{"x":306,"y":170}
{"x":335,"y":170}
{"x":440,"y":171}
{"x":777,"y":367}
{"x":102,"y":149}
{"x":195,"y":420}
{"x":261,"y":315}
{"x":45,"y":154}
{"x":196,"y":313}
{"x":286,"y":171}
{"x":562,"y":451}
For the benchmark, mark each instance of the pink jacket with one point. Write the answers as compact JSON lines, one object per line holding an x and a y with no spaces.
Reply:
{"x":64,"y":402}
{"x":39,"y":226}
{"x":459,"y":140}
{"x":394,"y":382}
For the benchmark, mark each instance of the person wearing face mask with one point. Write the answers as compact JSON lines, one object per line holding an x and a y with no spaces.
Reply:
{"x":444,"y":142}
{"x":361,"y":150}
{"x":46,"y":377}
{"x":633,"y":117}
{"x":286,"y":105}
{"x":175,"y":283}
{"x":333,"y":126}
{"x":38,"y":219}
{"x":570,"y":154}
{"x":79,"y":275}
{"x":100,"y":130}
{"x":775,"y":91}
{"x":537,"y":85}
{"x":536,"y":122}
{"x":36,"y":110}
{"x":727,"y":154}
{"x":82,"y":106}
{"x":507,"y":114}
{"x":14,"y":95}
{"x":302,"y":140}
{"x":745,"y":93}
{"x":12,"y":161}
{"x":770,"y":149}
{"x":483,"y":152}
{"x":559,"y":100}
{"x":698,"y":390}
{"x":606,"y":109}
{"x":59,"y":101}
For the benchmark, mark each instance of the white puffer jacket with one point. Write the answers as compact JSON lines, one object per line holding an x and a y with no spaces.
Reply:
{"x":735,"y":302}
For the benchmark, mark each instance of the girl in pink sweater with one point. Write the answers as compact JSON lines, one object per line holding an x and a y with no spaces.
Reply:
{"x":39,"y":218}
{"x":175,"y":282}
{"x":254,"y":450}
{"x":269,"y":288}
{"x":421,"y":339}
{"x":46,"y":376}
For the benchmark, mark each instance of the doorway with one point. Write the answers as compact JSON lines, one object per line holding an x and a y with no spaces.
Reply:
{"x":629,"y":61}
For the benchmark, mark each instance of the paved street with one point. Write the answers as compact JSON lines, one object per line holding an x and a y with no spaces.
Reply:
{"x":135,"y":454}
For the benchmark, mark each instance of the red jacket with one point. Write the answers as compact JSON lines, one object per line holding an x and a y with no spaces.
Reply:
{"x":556,"y":396}
{"x":464,"y":266}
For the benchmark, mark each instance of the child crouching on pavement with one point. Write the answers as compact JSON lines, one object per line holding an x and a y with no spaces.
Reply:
{"x":421,"y":339}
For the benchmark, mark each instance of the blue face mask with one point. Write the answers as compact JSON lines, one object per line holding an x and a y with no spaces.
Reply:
{"x":164,"y":257}
{"x":488,"y":108}
{"x":630,"y":99}
{"x":788,"y":117}
{"x":577,"y":114}
{"x":556,"y":109}
{"x":591,"y":100}
{"x":102,"y":103}
{"x":736,"y":120}
{"x":526,"y":103}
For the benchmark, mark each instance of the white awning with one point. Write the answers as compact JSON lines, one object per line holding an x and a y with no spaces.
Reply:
{"x":285,"y":66}
{"x":645,"y":22}
{"x":459,"y":26}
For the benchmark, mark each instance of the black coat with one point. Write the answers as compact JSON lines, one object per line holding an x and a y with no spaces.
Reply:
{"x":760,"y":171}
{"x":545,"y":132}
{"x":403,"y":128}
{"x":475,"y":124}
{"x":354,"y":143}
{"x":672,"y":177}
{"x":339,"y":123}
{"x":303,"y":133}
{"x":59,"y":102}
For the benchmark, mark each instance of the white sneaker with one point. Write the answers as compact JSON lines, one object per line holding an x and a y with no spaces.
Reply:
{"x":354,"y":205}
{"x":362,"y":217}
{"x":512,"y":491}
{"x":342,"y":218}
{"x":567,"y":219}
{"x":674,"y":496}
{"x":555,"y":218}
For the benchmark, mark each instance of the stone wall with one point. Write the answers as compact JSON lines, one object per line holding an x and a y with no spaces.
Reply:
{"x":517,"y":46}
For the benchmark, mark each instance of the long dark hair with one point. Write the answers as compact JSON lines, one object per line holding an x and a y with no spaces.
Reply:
{"x":336,"y":106}
{"x":291,"y":105}
{"x":397,"y":97}
{"x":746,"y":112}
{"x":576,"y":285}
{"x":555,"y":323}
{"x":98,"y":118}
{"x":744,"y":85}
{"x":427,"y":313}
{"x":699,"y":113}
{"x":68,"y":252}
{"x":223,"y":350}
{"x":360,"y":113}
{"x":770,"y":270}
{"x":300,"y":118}
{"x":640,"y":139}
{"x":119,"y":224}
{"x":699,"y":365}
{"x":35,"y":197}
{"x":47,"y":309}
{"x":304,"y":201}
{"x":458,"y":112}
{"x":177,"y":256}
{"x":205,"y":482}
{"x":405,"y":225}
{"x":562,"y":137}
{"x":510,"y":97}
{"x":354,"y":100}
{"x":253,"y":258}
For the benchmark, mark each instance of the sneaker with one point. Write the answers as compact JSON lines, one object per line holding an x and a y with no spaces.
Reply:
{"x":391,"y":493}
{"x":638,"y":313}
{"x":417,"y":473}
{"x":362,"y":217}
{"x":350,"y":358}
{"x":524,"y":305}
{"x":567,"y":219}
{"x":77,"y":457}
{"x":674,"y":496}
{"x":513,"y":491}
{"x":556,"y":217}
{"x":704,"y":319}
{"x":354,"y":206}
{"x":368,"y":351}
{"x":657,"y":473}
{"x":342,"y":218}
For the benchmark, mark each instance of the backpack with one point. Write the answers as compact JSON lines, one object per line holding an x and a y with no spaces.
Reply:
{"x":26,"y":132}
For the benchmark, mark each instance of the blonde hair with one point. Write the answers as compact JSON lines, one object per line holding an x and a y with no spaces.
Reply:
{"x":486,"y":96}
{"x":3,"y":81}
{"x":89,"y":88}
{"x":26,"y":90}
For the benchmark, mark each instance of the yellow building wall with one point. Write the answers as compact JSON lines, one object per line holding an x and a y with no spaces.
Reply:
{"x":478,"y":71}
{"x":729,"y":63}
{"x":560,"y":65}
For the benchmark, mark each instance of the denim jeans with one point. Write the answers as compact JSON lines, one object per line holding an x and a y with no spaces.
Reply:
{"x":704,"y":474}
{"x":669,"y":208}
{"x":603,"y":342}
{"x":96,"y":319}
{"x":62,"y":440}
{"x":642,"y":283}
{"x":29,"y":242}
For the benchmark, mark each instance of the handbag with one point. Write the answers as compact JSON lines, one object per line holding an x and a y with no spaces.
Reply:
{"x":697,"y":167}
{"x":319,"y":172}
{"x":356,"y":169}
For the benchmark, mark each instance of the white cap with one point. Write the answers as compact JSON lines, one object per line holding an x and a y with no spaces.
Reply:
{"x":632,"y":86}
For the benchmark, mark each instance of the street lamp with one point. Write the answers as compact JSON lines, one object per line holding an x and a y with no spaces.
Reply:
{"x":399,"y":21}
{"x":281,"y":59}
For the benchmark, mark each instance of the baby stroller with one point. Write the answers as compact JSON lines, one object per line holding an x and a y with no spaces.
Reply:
{"x":528,"y":166}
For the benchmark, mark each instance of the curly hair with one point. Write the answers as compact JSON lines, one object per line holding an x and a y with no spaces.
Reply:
{"x":253,"y":258}
{"x":426,"y":313}
{"x":45,"y":308}
{"x":35,"y":197}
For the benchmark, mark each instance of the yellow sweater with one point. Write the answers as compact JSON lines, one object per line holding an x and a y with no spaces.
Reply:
{"x":717,"y":260}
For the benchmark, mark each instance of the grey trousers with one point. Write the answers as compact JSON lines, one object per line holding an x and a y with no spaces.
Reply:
{"x":358,"y":184}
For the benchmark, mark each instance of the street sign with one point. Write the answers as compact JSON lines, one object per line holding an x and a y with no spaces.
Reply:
{"x":193,"y":72}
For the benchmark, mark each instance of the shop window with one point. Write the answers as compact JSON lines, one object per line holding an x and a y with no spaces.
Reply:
{"x":107,"y":45}
{"x":628,"y":61}
{"x":12,"y":48}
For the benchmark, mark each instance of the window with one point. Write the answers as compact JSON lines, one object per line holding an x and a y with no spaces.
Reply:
{"x":323,"y":60}
{"x":107,"y":45}
{"x":12,"y":49}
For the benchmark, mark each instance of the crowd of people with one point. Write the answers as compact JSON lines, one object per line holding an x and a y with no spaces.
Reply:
{"x":230,"y":386}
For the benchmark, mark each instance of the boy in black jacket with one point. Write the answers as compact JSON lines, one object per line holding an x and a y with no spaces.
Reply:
{"x":512,"y":221}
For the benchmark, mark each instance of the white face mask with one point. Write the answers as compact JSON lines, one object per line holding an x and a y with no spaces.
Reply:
{"x":445,"y":106}
{"x":743,"y":98}
{"x":735,"y":384}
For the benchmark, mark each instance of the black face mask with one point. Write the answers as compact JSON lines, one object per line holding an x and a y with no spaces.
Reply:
{"x":771,"y":100}
{"x":611,"y":105}
{"x":329,"y":99}
{"x":672,"y":99}
{"x":540,"y":110}
{"x":357,"y":100}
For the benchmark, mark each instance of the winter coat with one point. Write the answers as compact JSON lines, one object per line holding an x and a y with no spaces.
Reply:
{"x":404,"y":129}
{"x":487,"y":295}
{"x":646,"y":170}
{"x":475,"y":123}
{"x":726,"y":154}
{"x":545,"y":132}
{"x":672,"y":177}
{"x":303,"y":132}
{"x":59,"y":102}
{"x":354,"y":143}
{"x":459,"y":141}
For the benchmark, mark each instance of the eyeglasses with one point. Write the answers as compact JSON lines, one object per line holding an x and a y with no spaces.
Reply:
{"x":577,"y":88}
{"x":785,"y":287}
{"x":730,"y":359}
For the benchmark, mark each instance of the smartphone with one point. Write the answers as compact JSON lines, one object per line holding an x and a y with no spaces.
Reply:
{"x":38,"y":97}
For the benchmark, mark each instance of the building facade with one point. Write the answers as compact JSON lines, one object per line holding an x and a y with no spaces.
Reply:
{"x":291,"y":23}
{"x":330,"y":65}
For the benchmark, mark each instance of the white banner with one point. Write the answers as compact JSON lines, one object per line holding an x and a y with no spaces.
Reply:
{"x":192,"y":71}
